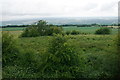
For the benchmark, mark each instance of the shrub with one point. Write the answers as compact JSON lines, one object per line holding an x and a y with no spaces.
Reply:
{"x":75,"y":32}
{"x":118,"y":51}
{"x":25,"y":66}
{"x":103,"y":31}
{"x":61,"y":58}
{"x":54,"y":30}
{"x":9,"y":49}
{"x":118,"y":41}
{"x":30,"y":32}
{"x":41,"y":29}
{"x":57,"y":30}
{"x":68,"y":32}
{"x":27,"y":58}
{"x":17,"y":72}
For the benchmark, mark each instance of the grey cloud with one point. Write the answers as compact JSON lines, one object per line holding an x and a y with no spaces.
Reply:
{"x":25,"y":14}
{"x":90,"y":6}
{"x":30,"y":8}
{"x":109,"y":6}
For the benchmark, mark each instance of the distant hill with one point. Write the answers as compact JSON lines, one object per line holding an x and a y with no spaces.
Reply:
{"x":65,"y":20}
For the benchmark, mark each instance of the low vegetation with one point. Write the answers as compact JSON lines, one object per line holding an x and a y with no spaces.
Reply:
{"x":41,"y":29}
{"x":73,"y":32}
{"x":61,"y":59}
{"x":103,"y":31}
{"x":9,"y":49}
{"x":59,"y":55}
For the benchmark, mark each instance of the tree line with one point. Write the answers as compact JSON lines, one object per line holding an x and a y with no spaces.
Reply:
{"x":68,"y":25}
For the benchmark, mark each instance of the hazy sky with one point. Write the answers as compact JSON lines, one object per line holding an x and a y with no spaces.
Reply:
{"x":25,"y":9}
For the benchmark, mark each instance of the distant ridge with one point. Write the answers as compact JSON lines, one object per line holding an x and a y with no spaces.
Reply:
{"x":64,"y":20}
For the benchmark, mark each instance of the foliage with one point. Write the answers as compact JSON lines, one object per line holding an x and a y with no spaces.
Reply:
{"x":118,"y":50}
{"x":27,"y":58}
{"x":9,"y":49}
{"x":61,"y":58}
{"x":30,"y":32}
{"x":54,"y":30}
{"x":68,"y":32}
{"x":17,"y":72}
{"x":118,"y":40}
{"x":75,"y":32}
{"x":86,"y":30}
{"x":103,"y":31}
{"x":69,"y":56}
{"x":41,"y":29}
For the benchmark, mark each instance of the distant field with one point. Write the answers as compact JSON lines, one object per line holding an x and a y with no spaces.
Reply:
{"x":90,"y":30}
{"x":13,"y":29}
{"x":15,"y":33}
{"x":82,"y":29}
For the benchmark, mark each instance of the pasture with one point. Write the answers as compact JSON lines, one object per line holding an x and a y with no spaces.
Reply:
{"x":97,"y":53}
{"x":89,"y":30}
{"x":13,"y":29}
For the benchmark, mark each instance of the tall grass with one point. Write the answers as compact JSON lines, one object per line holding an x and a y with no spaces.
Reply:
{"x":72,"y":56}
{"x":10,"y":50}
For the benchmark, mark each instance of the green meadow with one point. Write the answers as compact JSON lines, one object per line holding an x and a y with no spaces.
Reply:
{"x":13,"y":29}
{"x":98,"y":57}
{"x":89,"y":30}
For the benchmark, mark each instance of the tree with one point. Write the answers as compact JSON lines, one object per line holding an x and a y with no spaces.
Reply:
{"x":41,"y":28}
{"x":103,"y":31}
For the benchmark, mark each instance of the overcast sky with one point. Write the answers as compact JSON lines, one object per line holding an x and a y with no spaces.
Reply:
{"x":26,"y":9}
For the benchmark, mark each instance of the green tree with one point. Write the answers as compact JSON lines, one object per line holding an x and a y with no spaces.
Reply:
{"x":75,"y":32}
{"x":31,"y":31}
{"x":103,"y":31}
{"x":41,"y":28}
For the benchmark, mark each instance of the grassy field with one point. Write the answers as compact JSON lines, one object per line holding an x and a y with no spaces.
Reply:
{"x":13,"y":29}
{"x":97,"y":53}
{"x":95,"y":44}
{"x":90,"y":30}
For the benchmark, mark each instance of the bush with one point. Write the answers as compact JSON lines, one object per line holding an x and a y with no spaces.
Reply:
{"x":103,"y":31}
{"x":9,"y":49}
{"x":17,"y":72}
{"x":75,"y":32}
{"x":68,"y":32}
{"x":118,"y":51}
{"x":30,"y":32}
{"x":41,"y":29}
{"x":61,"y":60}
{"x":26,"y":66}
{"x":118,"y":41}
{"x":54,"y":30}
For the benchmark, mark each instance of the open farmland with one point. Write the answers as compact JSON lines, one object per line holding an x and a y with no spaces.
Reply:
{"x":97,"y":55}
{"x":13,"y":29}
{"x":89,"y":30}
